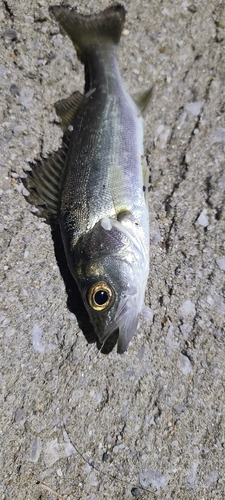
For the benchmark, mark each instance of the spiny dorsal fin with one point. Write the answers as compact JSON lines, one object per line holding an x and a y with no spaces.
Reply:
{"x":44,"y":183}
{"x":142,"y":99}
{"x":67,"y":108}
{"x":85,"y":31}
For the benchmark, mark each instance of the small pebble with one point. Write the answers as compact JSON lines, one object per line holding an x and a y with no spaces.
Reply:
{"x":219,"y":136}
{"x":35,"y":451}
{"x":52,"y":56}
{"x":26,"y":96}
{"x":192,"y":474}
{"x":14,"y":89}
{"x":185,"y":365}
{"x":162,"y":136}
{"x":51,"y":453}
{"x":19,"y":415}
{"x":10,"y":33}
{"x":152,"y":477}
{"x":3,"y":70}
{"x":135,"y":492}
{"x":105,"y":456}
{"x":221,"y":22}
{"x":69,"y":449}
{"x":194,"y":108}
{"x":187,"y":308}
{"x":185,"y":329}
{"x":211,"y":478}
{"x":203,"y":219}
{"x":147,"y":314}
{"x":221,"y":263}
{"x":155,"y":237}
{"x":221,"y":182}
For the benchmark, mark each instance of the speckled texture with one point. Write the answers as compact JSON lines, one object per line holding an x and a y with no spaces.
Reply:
{"x":77,"y":424}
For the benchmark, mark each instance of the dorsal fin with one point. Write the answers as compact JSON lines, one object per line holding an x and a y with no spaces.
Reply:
{"x":142,"y":99}
{"x":66,"y":109}
{"x":44,"y":183}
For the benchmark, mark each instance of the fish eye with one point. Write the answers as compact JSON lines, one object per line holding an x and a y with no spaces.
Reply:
{"x":100,"y":295}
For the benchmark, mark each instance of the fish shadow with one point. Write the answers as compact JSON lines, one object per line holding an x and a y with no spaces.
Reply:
{"x":74,"y":299}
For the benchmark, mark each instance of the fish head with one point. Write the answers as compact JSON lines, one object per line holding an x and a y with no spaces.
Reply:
{"x":110,"y":266}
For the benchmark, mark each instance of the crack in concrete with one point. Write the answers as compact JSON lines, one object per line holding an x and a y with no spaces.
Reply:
{"x":183,"y":170}
{"x":8,"y":10}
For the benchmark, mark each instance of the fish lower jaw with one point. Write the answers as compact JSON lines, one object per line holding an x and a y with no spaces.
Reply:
{"x":105,"y":336}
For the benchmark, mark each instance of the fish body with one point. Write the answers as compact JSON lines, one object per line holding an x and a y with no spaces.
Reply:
{"x":98,"y":196}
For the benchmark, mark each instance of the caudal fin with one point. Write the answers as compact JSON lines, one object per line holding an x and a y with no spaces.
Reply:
{"x":86,"y":31}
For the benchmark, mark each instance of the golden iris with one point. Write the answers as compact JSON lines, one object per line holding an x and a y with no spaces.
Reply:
{"x":100,"y":295}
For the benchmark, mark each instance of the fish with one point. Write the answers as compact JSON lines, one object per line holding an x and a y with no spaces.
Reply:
{"x":94,"y":187}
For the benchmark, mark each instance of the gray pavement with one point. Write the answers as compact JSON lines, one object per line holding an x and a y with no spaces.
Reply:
{"x":150,"y":424}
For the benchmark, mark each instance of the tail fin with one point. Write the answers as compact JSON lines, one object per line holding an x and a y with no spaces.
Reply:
{"x":85,"y":31}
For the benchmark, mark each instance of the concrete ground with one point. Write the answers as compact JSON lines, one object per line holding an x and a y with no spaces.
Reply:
{"x":149,"y":424}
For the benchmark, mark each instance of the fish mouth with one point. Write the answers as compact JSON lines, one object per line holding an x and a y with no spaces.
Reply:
{"x":104,"y":331}
{"x":122,"y":328}
{"x":108,"y":345}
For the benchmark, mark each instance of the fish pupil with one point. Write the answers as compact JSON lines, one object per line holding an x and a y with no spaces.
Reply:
{"x":101,"y":297}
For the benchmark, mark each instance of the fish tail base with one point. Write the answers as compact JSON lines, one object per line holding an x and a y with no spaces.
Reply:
{"x":86,"y":31}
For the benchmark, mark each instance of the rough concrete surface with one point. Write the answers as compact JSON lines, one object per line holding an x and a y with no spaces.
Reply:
{"x":149,"y":424}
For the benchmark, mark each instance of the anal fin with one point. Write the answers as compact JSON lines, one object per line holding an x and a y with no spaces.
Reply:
{"x":44,"y":183}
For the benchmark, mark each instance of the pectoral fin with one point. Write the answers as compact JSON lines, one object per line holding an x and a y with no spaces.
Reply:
{"x":142,"y":99}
